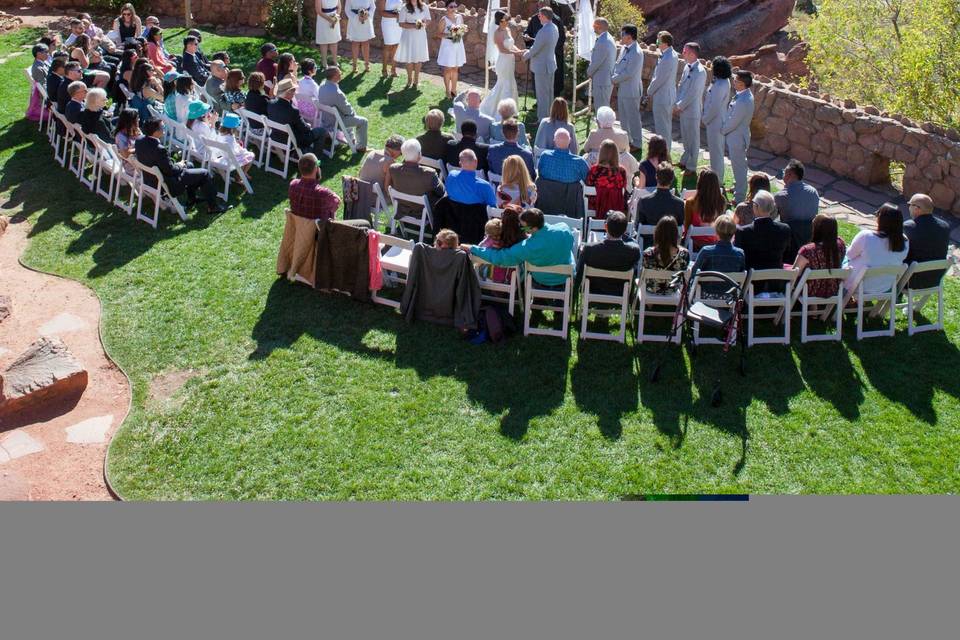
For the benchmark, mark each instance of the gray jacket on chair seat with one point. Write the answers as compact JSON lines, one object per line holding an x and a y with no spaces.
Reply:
{"x":442,"y":288}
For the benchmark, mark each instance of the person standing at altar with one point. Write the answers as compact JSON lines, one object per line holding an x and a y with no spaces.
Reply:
{"x":360,"y":30}
{"x":663,"y":87}
{"x":413,"y":50}
{"x":603,"y":57}
{"x":736,"y":131}
{"x":543,"y":64}
{"x":452,"y":56}
{"x":390,"y":28}
{"x":628,"y":78}
{"x":689,"y":107}
{"x":533,"y":27}
{"x":328,"y":29}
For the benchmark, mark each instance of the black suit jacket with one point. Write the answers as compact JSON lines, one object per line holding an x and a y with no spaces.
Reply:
{"x":73,"y":111}
{"x":53,"y":87}
{"x":198,"y":71}
{"x":151,"y":153}
{"x":94,"y":122}
{"x":257,"y":103}
{"x":611,"y":255}
{"x":283,"y":112}
{"x":764,"y":243}
{"x":62,"y":96}
{"x":454,"y":148}
{"x":661,"y":204}
{"x":928,"y":238}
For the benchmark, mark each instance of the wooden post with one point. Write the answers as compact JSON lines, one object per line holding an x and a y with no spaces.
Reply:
{"x":300,"y":20}
{"x":188,"y":14}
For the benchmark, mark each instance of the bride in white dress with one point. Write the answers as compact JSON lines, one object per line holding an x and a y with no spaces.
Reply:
{"x":506,"y":51}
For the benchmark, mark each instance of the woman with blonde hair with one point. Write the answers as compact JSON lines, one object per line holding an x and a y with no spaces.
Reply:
{"x":610,"y":180}
{"x":558,"y":119}
{"x":516,"y":186}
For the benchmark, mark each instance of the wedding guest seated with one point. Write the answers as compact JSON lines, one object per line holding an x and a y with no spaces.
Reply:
{"x":558,"y":119}
{"x":433,"y":142}
{"x":885,"y":247}
{"x":929,"y":238}
{"x":706,"y":205}
{"x":499,"y":152}
{"x":468,"y":140}
{"x":178,"y":176}
{"x":502,"y":233}
{"x":72,"y":73}
{"x":233,"y":95}
{"x":287,"y":67}
{"x":743,"y":214}
{"x":446,"y":239}
{"x":330,"y":94}
{"x":611,"y":254}
{"x":412,"y":178}
{"x":664,"y":254}
{"x":155,"y":52}
{"x":201,"y":56}
{"x":558,"y":164}
{"x":610,"y":181}
{"x":664,"y":203}
{"x":282,"y":111}
{"x":548,"y":245}
{"x":465,"y":187}
{"x":267,"y":65}
{"x":92,"y":120}
{"x":78,"y":93}
{"x":507,"y":110}
{"x":126,"y":135}
{"x":720,"y":256}
{"x":606,"y":121}
{"x":797,"y":204}
{"x":376,"y":166}
{"x":764,"y":241}
{"x":825,"y":251}
{"x":222,"y":56}
{"x":309,"y":198}
{"x":191,"y":62}
{"x":256,"y":101}
{"x":466,"y":106}
{"x":657,"y":152}
{"x":38,"y":73}
{"x":214,"y":85}
{"x":228,"y":133}
{"x":307,"y":91}
{"x":146,"y":89}
{"x":55,"y":76}
{"x":516,"y":187}
{"x":184,"y":93}
{"x":200,"y":119}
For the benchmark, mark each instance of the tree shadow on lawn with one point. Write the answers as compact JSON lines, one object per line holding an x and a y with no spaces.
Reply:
{"x":909,"y":370}
{"x":522,"y":378}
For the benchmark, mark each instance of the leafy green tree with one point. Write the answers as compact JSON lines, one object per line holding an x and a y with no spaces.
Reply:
{"x":900,"y":55}
{"x":619,"y":13}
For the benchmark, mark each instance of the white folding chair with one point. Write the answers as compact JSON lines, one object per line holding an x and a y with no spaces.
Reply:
{"x":588,"y":192}
{"x":452,"y":167}
{"x":916,"y":299}
{"x":769,"y":306}
{"x":504,"y":292}
{"x":380,"y":206}
{"x":819,"y":306}
{"x":686,"y":194}
{"x":88,"y":161}
{"x":883,"y":302}
{"x":395,"y":264}
{"x":646,"y":230}
{"x":656,"y":305}
{"x":424,"y":223}
{"x":494,"y":212}
{"x":716,"y":303}
{"x":160,"y":194}
{"x":338,"y":127}
{"x":222,"y":159}
{"x":110,"y":163}
{"x":697,"y":232}
{"x":495,"y":179}
{"x":532,"y":293}
{"x":436,"y":165}
{"x":283,"y":150}
{"x":255,"y":134}
{"x":621,"y":311}
{"x":595,"y":230}
{"x":76,"y":142}
{"x":62,"y":137}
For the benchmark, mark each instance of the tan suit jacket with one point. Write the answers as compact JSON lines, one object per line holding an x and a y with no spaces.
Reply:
{"x":415,"y":180}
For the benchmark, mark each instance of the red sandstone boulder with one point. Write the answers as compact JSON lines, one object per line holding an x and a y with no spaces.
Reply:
{"x":46,"y":373}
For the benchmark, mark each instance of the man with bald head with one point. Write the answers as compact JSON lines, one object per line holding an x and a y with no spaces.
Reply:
{"x":466,"y":106}
{"x":558,"y":164}
{"x":928,"y":236}
{"x":603,"y":57}
{"x":465,"y":187}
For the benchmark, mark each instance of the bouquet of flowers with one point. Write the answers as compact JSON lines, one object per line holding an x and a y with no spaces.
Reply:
{"x":457,"y":32}
{"x":363,"y":14}
{"x":419,"y":24}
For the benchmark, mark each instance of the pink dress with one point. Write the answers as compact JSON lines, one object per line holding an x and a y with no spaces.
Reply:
{"x":33,"y":109}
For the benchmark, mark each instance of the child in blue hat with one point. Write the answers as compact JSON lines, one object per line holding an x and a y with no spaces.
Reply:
{"x":229,"y":134}
{"x":200,"y":120}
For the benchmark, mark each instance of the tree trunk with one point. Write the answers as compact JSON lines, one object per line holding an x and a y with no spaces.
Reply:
{"x":188,"y":14}
{"x":300,"y":20}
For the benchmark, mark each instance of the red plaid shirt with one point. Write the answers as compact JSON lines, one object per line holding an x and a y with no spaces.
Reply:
{"x":308,"y":199}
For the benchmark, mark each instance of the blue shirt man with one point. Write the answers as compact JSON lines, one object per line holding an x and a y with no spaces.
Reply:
{"x":548,"y":245}
{"x":559,"y":164}
{"x":799,"y":201}
{"x":464,"y":187}
{"x":497,"y":153}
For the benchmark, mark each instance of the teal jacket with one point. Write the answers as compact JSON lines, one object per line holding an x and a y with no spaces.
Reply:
{"x":551,"y":246}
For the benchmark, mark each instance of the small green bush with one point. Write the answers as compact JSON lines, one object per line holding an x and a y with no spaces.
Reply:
{"x":282,"y":17}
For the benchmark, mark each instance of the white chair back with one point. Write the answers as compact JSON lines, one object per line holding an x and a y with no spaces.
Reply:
{"x":424,"y":223}
{"x":620,"y":312}
{"x":916,"y":299}
{"x":656,"y":305}
{"x":533,"y":293}
{"x":777,"y":304}
{"x":434,"y":164}
{"x":819,"y":306}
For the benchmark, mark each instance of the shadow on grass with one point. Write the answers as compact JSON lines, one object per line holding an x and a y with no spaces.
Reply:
{"x":604,"y":383}
{"x":521,"y":379}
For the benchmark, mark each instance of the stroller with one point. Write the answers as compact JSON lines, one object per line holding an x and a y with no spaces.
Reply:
{"x":727,"y":318}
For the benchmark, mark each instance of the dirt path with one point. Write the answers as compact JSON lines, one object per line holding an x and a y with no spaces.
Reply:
{"x":59,"y":455}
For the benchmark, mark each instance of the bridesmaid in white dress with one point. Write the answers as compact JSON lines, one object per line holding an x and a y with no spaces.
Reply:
{"x":328,"y":29}
{"x":360,"y":30}
{"x":452,"y":55}
{"x":506,"y":86}
{"x":390,"y":26}
{"x":413,"y":50}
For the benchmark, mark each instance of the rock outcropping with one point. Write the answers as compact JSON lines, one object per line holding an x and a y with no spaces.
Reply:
{"x":44,"y":374}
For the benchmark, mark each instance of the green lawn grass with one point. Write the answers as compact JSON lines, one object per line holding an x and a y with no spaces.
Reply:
{"x":299,"y":395}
